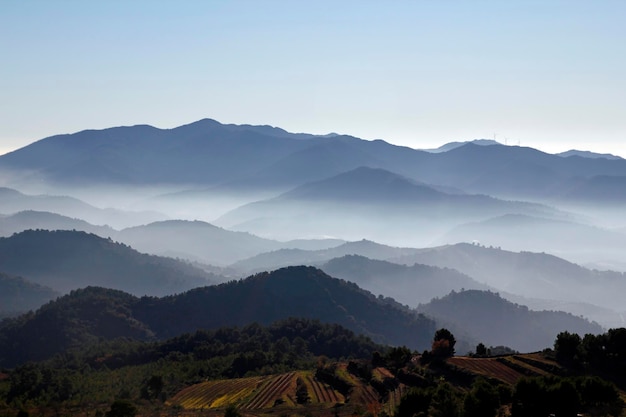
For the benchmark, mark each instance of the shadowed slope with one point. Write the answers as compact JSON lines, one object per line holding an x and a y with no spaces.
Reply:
{"x":87,"y":314}
{"x":66,"y":260}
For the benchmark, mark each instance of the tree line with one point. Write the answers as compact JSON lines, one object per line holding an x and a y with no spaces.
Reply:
{"x":126,"y":368}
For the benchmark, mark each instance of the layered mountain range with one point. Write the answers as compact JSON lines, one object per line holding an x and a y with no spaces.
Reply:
{"x":242,"y":156}
{"x":93,"y":313}
{"x":112,"y":208}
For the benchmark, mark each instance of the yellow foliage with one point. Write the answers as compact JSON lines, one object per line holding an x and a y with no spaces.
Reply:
{"x":231,"y":398}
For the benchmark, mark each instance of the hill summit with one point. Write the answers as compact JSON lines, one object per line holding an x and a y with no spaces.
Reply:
{"x":89,"y":314}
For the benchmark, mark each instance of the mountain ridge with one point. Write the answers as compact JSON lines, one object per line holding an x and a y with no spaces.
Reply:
{"x":18,"y":295}
{"x":495,"y":321}
{"x":87,"y":314}
{"x":66,"y":260}
{"x":212,"y":153}
{"x":370,"y":202}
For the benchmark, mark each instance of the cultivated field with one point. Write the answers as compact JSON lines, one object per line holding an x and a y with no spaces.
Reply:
{"x":508,"y":369}
{"x":256,"y":393}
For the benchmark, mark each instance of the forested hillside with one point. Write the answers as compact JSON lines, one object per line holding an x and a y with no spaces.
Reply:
{"x":67,"y":260}
{"x":495,"y":321}
{"x":89,"y":315}
{"x":18,"y":295}
{"x":410,"y":285}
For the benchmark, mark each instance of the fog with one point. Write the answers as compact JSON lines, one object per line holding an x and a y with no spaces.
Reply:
{"x":590,"y":235}
{"x":412,"y":236}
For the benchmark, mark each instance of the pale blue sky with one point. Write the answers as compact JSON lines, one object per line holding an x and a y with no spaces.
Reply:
{"x":547,"y":74}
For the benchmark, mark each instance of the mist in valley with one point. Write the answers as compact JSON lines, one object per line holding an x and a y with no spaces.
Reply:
{"x":356,"y":209}
{"x":400,"y":223}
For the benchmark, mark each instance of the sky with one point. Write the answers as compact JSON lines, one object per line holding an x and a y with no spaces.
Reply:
{"x":547,"y":74}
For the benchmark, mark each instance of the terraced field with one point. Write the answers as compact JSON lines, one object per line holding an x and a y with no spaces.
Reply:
{"x":256,"y":393}
{"x":264,"y":395}
{"x":488,"y":367}
{"x":396,"y":390}
{"x":507,"y":369}
{"x":271,"y":391}
{"x":540,"y":361}
{"x":215,"y":394}
{"x":523,"y":367}
{"x":261,"y":393}
{"x":320,"y":392}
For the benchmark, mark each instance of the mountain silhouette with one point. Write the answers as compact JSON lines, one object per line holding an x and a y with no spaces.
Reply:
{"x":529,"y":274}
{"x":30,"y":219}
{"x":85,"y":315}
{"x":453,"y":145}
{"x":195,"y":240}
{"x":600,"y":189}
{"x":580,"y":243}
{"x":18,"y":295}
{"x":291,"y":257}
{"x":587,"y":154}
{"x":13,"y":201}
{"x":494,"y":321}
{"x":367,"y":203}
{"x":66,"y":260}
{"x":410,"y":285}
{"x":207,"y":152}
{"x":201,"y":152}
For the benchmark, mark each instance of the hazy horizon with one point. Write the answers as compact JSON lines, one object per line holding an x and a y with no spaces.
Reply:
{"x":547,"y":75}
{"x":431,"y":145}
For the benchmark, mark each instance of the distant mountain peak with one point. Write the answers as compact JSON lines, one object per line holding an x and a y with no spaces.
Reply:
{"x":363,"y":183}
{"x":203,"y":125}
{"x":587,"y":154}
{"x":453,"y":145}
{"x":9,"y":192}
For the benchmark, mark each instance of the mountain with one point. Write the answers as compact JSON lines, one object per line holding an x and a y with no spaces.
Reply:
{"x":289,"y":292}
{"x":323,"y":158}
{"x":19,"y":295}
{"x":205,"y":151}
{"x":195,"y":240}
{"x":510,"y":171}
{"x":89,"y":314}
{"x":604,"y":316}
{"x":453,"y":145}
{"x":66,"y":260}
{"x":285,"y":186}
{"x":30,"y":219}
{"x":313,"y":244}
{"x":578,"y":242}
{"x":192,"y":240}
{"x":371,"y":203}
{"x":530,"y":278}
{"x":409,"y":285}
{"x":600,"y":189}
{"x":587,"y":154}
{"x":528,"y":274}
{"x":497,"y":322}
{"x":83,"y":317}
{"x":13,"y":201}
{"x":209,"y":153}
{"x":202,"y":241}
{"x":365,"y":185}
{"x":293,"y":256}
